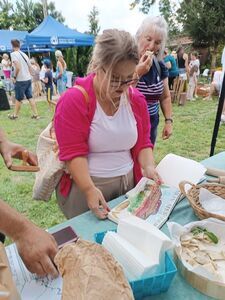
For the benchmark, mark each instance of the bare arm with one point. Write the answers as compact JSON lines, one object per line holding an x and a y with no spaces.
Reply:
{"x":78,"y":168}
{"x":9,"y":150}
{"x":17,"y":68}
{"x":146,"y":161}
{"x":185,"y":57}
{"x":59,"y":64}
{"x":36,"y":247}
{"x":166,"y":106}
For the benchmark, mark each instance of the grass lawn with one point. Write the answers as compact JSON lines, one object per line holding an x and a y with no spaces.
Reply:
{"x":193,"y":127}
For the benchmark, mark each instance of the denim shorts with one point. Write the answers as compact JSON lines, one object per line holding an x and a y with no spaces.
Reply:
{"x":23,"y":88}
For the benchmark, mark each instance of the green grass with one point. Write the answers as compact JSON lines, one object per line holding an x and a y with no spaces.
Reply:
{"x":193,"y":127}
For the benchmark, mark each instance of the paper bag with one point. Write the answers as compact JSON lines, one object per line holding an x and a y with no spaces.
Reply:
{"x":91,"y":273}
{"x":8,"y":289}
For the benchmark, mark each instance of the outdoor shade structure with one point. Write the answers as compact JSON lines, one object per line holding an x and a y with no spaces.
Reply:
{"x":7,"y":35}
{"x":53,"y":34}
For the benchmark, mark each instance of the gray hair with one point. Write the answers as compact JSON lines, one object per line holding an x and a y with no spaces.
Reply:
{"x":157,"y":25}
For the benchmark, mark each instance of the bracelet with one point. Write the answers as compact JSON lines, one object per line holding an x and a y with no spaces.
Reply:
{"x":168,"y":120}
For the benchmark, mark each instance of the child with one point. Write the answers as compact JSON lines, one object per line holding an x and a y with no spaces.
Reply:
{"x":48,"y":80}
{"x":192,"y":82}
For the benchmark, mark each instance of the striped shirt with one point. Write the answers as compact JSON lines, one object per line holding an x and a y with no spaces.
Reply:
{"x":151,"y":86}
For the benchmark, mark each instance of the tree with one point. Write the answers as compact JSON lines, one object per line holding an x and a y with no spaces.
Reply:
{"x":204,"y":21}
{"x":167,"y":9}
{"x":84,"y":53}
{"x":6,"y":14}
{"x":93,"y":20}
{"x":25,"y":14}
{"x":145,"y":5}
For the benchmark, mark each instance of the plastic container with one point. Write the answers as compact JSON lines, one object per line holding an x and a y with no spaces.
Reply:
{"x":153,"y":285}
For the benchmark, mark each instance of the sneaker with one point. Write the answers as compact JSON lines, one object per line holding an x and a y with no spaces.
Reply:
{"x":35,"y":117}
{"x":12,"y":117}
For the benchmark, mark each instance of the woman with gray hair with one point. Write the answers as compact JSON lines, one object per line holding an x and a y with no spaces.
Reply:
{"x":153,"y":84}
{"x":102,"y":129}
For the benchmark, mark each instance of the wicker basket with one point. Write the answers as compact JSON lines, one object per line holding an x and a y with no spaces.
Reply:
{"x":193,"y":197}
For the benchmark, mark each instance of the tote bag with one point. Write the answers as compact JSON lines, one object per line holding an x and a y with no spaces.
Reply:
{"x":51,"y":168}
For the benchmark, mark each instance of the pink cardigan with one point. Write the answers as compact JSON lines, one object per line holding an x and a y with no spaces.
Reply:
{"x":73,"y":117}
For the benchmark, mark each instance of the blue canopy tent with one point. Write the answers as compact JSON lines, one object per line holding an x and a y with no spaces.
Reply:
{"x":53,"y":34}
{"x":7,"y":35}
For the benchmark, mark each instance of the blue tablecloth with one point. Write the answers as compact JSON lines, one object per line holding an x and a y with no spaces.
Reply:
{"x":86,"y":225}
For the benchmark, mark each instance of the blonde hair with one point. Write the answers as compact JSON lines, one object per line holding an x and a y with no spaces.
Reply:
{"x":5,"y":56}
{"x":156,"y":25}
{"x":112,"y":47}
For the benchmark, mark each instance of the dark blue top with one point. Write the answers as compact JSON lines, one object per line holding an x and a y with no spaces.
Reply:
{"x":151,"y":86}
{"x":48,"y":74}
{"x":173,"y":71}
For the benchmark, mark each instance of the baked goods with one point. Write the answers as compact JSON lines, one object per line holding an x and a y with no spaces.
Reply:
{"x":146,"y":202}
{"x":199,"y":248}
{"x":149,"y":53}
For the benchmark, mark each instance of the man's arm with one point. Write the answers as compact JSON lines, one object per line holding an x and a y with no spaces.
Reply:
{"x":10,"y":150}
{"x":36,"y":247}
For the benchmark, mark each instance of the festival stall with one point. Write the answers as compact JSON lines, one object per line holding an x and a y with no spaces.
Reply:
{"x":53,"y":34}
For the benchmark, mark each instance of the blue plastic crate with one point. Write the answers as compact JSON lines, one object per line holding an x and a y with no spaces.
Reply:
{"x":151,"y":285}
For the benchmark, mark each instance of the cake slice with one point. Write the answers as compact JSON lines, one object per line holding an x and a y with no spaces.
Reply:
{"x":146,"y":202}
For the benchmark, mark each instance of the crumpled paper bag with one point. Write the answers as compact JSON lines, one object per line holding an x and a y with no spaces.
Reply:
{"x":91,"y":273}
{"x":8,"y":289}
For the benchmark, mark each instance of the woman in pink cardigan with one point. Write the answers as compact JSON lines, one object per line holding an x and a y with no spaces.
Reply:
{"x":103,"y":130}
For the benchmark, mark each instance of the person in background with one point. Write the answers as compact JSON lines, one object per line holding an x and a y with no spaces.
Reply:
{"x":215,"y":86}
{"x":192,"y":82}
{"x":182,"y":63}
{"x":153,"y":74}
{"x":195,"y":62}
{"x":61,"y":77}
{"x":48,"y":80}
{"x":171,"y":65}
{"x":36,"y":83}
{"x":6,"y":66}
{"x":22,"y":80}
{"x":103,"y":131}
{"x":36,"y":247}
{"x":7,"y":70}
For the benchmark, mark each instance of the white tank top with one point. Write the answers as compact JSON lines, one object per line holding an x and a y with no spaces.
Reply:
{"x":110,"y":141}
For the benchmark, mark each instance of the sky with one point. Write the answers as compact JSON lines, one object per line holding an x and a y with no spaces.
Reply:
{"x":112,"y":14}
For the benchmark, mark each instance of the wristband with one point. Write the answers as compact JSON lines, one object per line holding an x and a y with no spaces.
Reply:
{"x":168,"y":120}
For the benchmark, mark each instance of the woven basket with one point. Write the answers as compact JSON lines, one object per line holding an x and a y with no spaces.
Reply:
{"x":193,"y":197}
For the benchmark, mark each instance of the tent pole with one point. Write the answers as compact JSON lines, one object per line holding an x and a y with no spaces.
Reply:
{"x":218,"y":117}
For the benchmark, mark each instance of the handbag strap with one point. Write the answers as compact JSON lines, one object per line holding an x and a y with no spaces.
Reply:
{"x":83,"y":91}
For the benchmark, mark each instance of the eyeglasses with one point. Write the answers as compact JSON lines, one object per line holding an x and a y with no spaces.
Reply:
{"x":120,"y":83}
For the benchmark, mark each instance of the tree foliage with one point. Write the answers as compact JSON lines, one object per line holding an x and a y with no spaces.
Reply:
{"x":144,"y":5}
{"x":204,"y":21}
{"x":78,"y":58}
{"x":25,"y":14}
{"x":93,"y":21}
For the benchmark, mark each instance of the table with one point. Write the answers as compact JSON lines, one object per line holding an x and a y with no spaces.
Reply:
{"x":86,"y":225}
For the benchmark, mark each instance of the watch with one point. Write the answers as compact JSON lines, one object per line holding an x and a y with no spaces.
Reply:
{"x":167,"y":120}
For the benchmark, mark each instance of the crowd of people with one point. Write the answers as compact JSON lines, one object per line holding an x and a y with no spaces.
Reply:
{"x":28,"y":80}
{"x":105,"y":134}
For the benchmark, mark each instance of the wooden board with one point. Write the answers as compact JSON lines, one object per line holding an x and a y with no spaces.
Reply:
{"x":205,"y":286}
